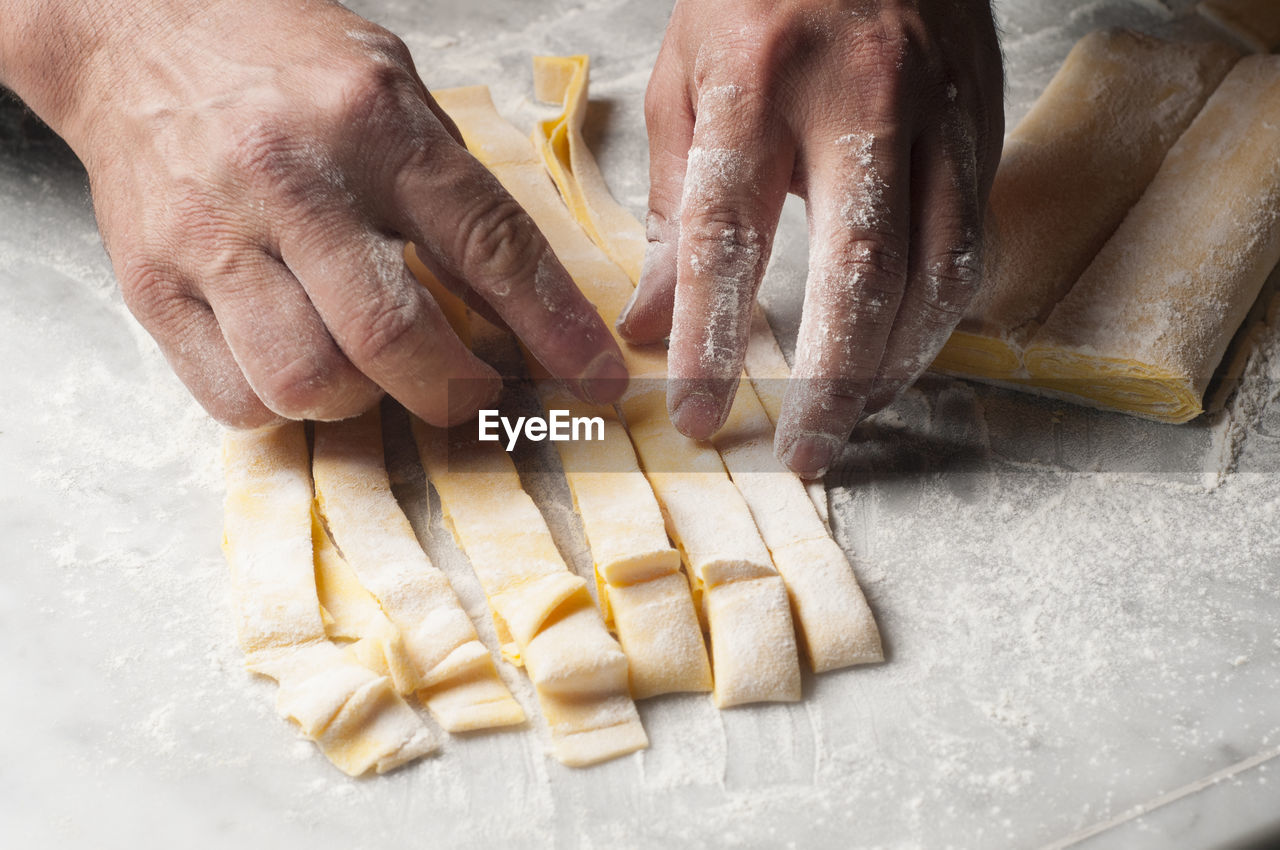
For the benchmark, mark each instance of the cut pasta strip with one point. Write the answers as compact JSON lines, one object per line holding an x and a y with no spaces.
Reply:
{"x":652,"y":615}
{"x":1255,"y":22}
{"x":745,"y":670}
{"x":833,"y":615}
{"x":565,"y":80}
{"x":352,"y":614}
{"x":352,"y":713}
{"x":1148,"y":322}
{"x":835,"y":620}
{"x":579,"y":672}
{"x":375,"y":539}
{"x":639,"y":584}
{"x":1070,"y":171}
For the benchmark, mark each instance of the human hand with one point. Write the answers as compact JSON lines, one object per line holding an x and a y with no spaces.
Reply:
{"x":887,"y":117}
{"x":256,"y":168}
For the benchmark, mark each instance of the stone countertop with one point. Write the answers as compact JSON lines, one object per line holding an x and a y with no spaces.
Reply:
{"x":1080,"y":609}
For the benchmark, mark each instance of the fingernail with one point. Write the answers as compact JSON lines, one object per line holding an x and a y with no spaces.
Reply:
{"x":604,"y":381}
{"x":810,"y":456}
{"x":626,"y":311}
{"x":697,"y":415}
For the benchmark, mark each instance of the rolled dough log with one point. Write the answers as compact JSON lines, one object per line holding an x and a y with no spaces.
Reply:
{"x":745,"y":669}
{"x":352,"y":713}
{"x":579,"y":672}
{"x":1254,"y":22}
{"x":353,"y":495}
{"x":1069,"y":172}
{"x":1149,"y":320}
{"x":832,"y":614}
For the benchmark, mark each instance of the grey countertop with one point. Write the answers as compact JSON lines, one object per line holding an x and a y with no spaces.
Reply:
{"x":1081,"y":610}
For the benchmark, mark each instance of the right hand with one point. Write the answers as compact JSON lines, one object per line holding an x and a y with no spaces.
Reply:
{"x":256,"y":169}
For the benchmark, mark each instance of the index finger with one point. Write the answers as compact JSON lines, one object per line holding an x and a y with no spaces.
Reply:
{"x":467,"y":226}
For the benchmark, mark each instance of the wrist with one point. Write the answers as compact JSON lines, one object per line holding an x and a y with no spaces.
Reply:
{"x":65,"y":58}
{"x":44,"y":49}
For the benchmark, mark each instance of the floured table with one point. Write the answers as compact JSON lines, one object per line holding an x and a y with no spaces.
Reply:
{"x":1078,"y":608}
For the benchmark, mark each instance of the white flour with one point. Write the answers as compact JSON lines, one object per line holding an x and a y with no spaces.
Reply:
{"x":1075,"y":616}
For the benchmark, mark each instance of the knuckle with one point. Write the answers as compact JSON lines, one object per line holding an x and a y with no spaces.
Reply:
{"x":499,"y":246}
{"x":723,"y":224}
{"x":384,"y":46}
{"x":302,"y":387}
{"x":378,"y":97}
{"x":951,"y":279}
{"x":386,"y":333}
{"x":151,"y":287}
{"x":879,"y":261}
{"x":367,"y":86}
{"x":724,"y":240}
{"x":659,"y":227}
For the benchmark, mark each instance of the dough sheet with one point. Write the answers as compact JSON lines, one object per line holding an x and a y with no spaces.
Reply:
{"x":744,"y":671}
{"x":541,"y":609}
{"x":832,"y":614}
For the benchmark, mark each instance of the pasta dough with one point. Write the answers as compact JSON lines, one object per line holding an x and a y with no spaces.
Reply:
{"x":374,"y":537}
{"x":832,"y":613}
{"x":754,"y":654}
{"x":640,"y":586}
{"x":1148,"y":322}
{"x":1070,"y":171}
{"x":540,"y":609}
{"x":564,"y":79}
{"x":642,"y":594}
{"x":353,"y":714}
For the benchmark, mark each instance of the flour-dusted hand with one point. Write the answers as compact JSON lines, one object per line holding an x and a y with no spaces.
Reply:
{"x":257,"y":166}
{"x":887,"y":117}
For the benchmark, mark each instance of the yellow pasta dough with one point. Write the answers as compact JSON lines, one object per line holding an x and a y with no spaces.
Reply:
{"x":744,"y":669}
{"x":1070,"y":171}
{"x":375,"y":539}
{"x":1147,"y":324}
{"x":831,"y":611}
{"x":355,"y":715}
{"x":540,"y":608}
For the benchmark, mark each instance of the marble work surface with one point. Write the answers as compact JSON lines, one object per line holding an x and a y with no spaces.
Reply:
{"x":1080,"y":610}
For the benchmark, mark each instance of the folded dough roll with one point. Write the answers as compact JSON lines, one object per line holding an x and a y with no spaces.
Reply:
{"x":1147,"y":324}
{"x":1070,"y":171}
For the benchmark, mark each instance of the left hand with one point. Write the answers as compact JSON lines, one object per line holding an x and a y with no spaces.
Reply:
{"x":887,"y":117}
